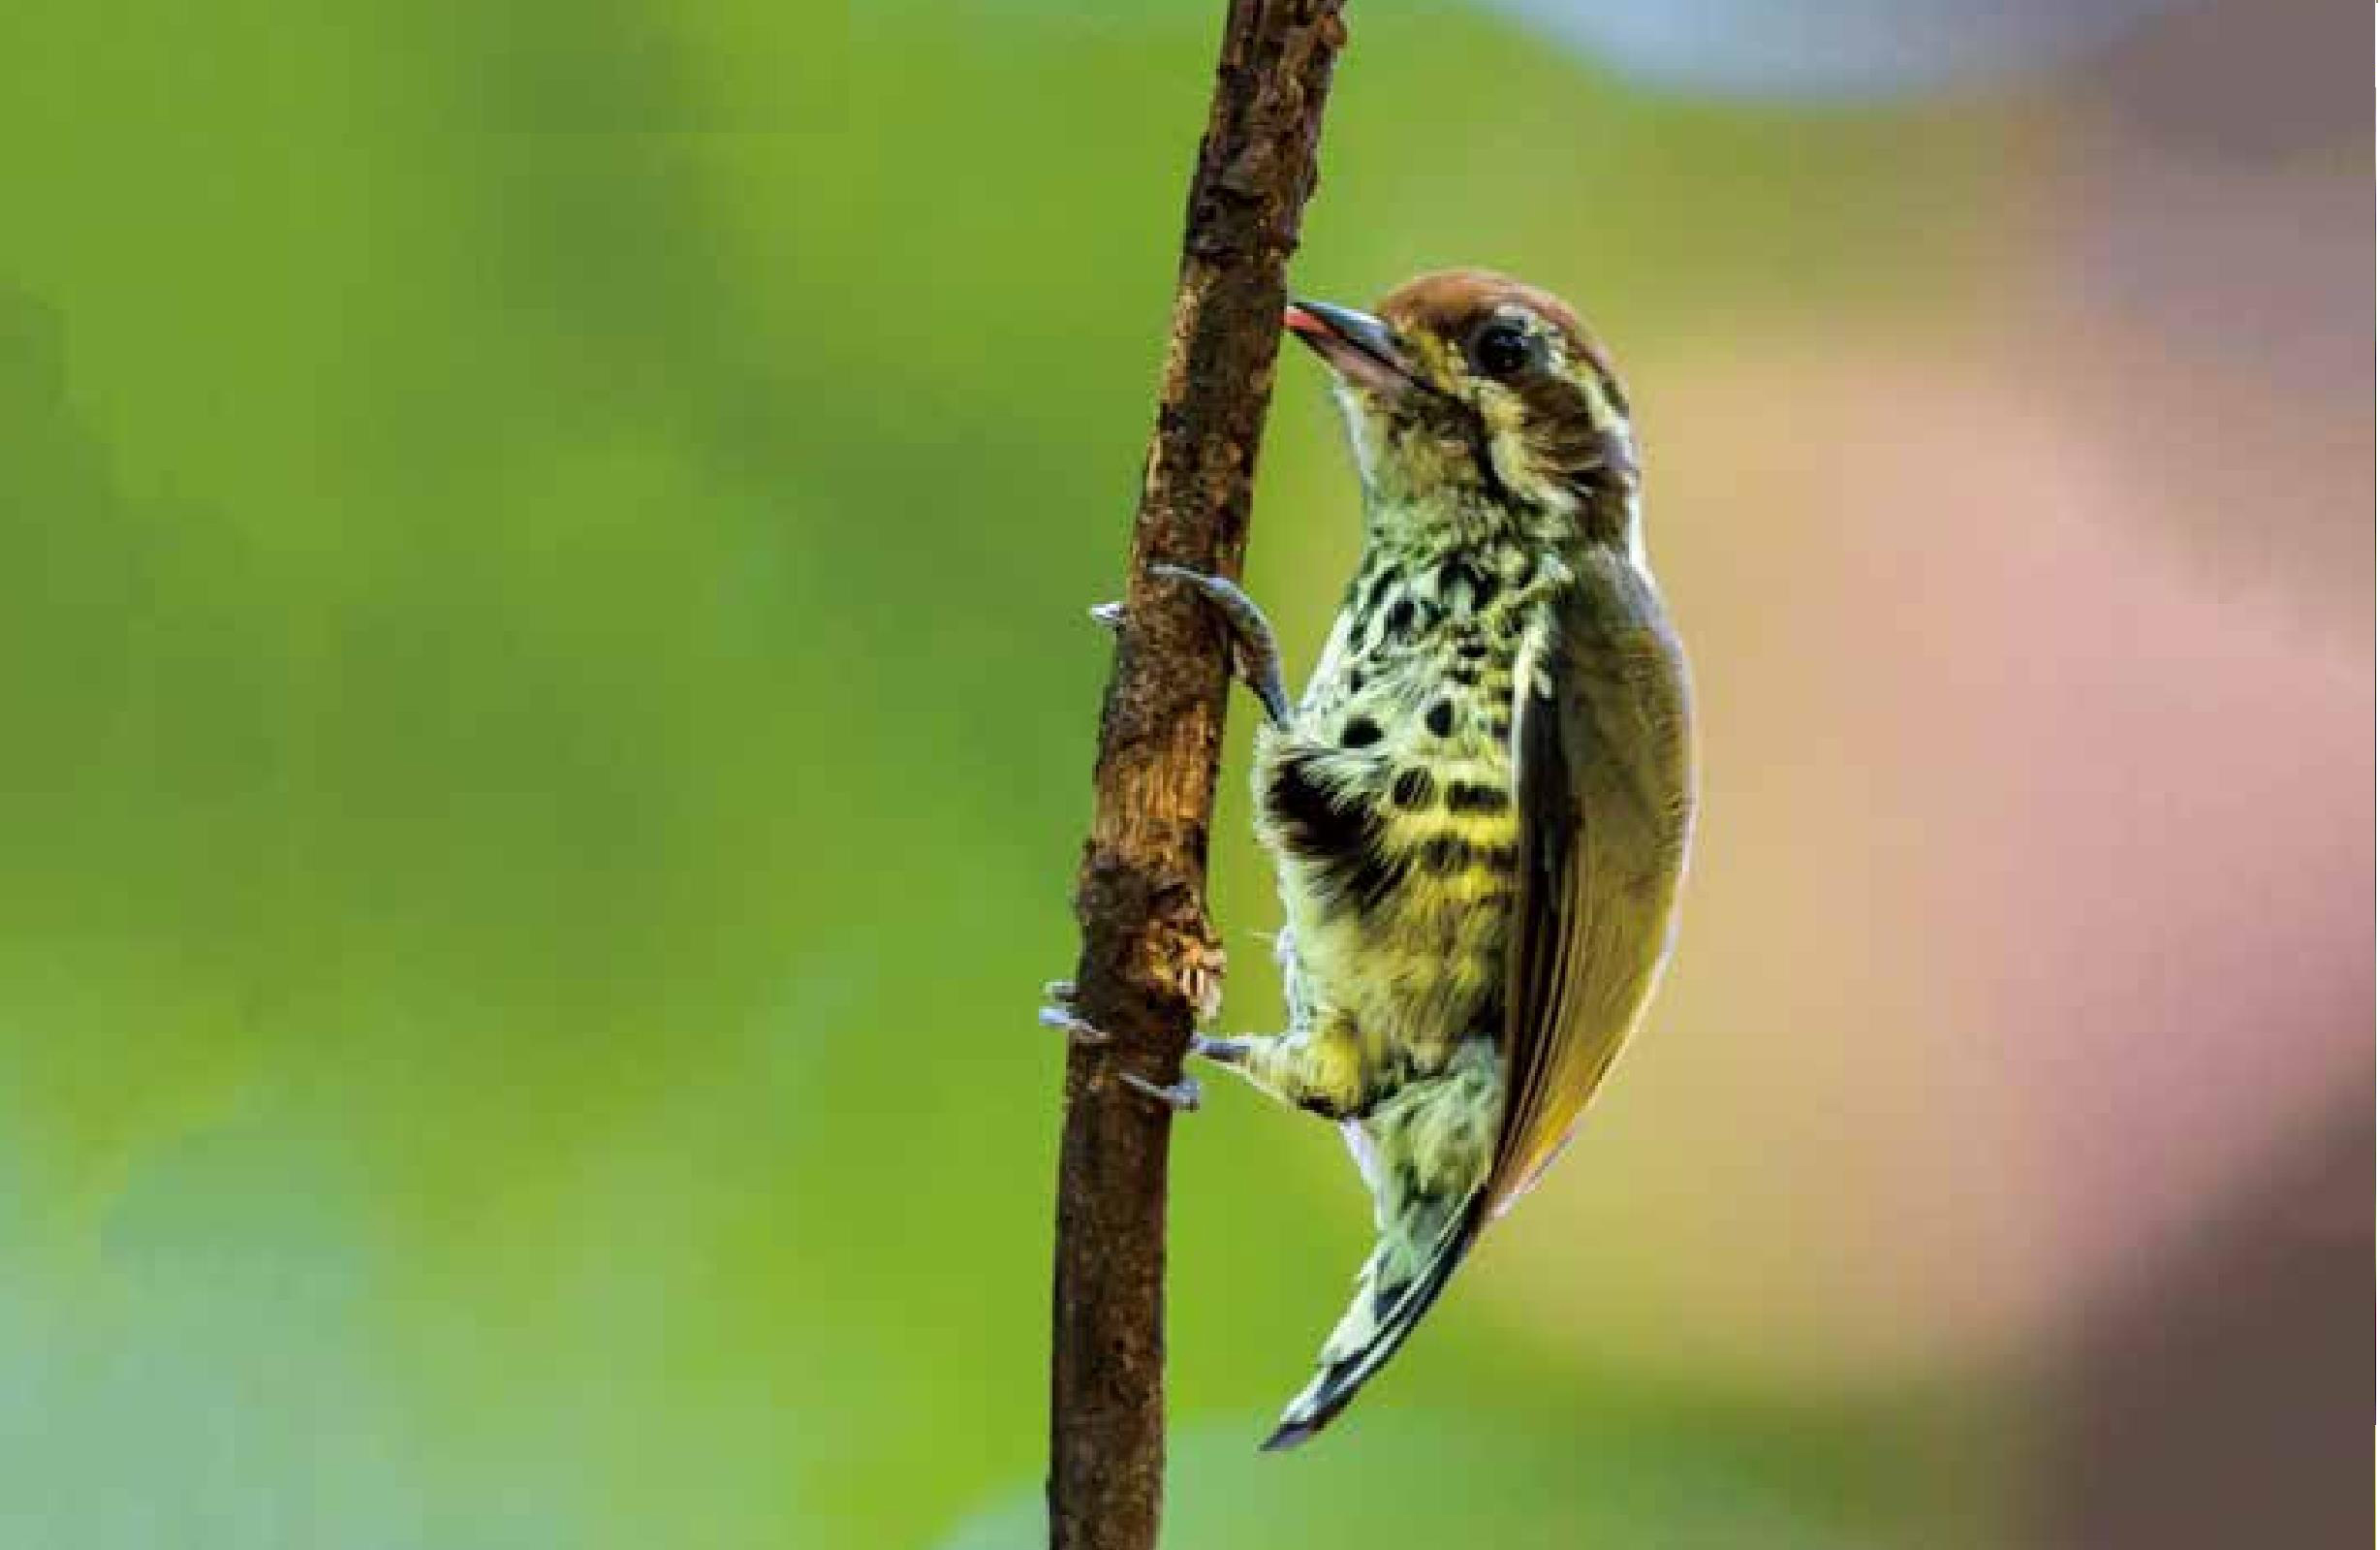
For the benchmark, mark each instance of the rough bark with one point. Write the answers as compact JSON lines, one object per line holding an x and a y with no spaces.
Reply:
{"x":1140,"y":893}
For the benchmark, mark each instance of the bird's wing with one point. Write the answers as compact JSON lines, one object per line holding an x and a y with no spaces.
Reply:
{"x":1604,"y":785}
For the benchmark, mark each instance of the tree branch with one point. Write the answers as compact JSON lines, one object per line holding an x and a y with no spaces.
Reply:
{"x":1140,"y":893}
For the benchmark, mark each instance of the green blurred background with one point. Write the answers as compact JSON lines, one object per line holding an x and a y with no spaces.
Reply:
{"x":548,"y":720}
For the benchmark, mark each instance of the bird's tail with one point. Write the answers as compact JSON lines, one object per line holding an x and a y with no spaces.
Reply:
{"x":1422,"y":1239}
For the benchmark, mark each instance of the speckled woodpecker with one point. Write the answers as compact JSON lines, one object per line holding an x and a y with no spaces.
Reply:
{"x":1480,"y":809}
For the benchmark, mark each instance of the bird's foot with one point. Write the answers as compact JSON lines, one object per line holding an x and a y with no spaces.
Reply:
{"x":1256,"y":655}
{"x":1182,"y":1096}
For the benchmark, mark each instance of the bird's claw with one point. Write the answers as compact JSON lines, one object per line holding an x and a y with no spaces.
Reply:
{"x":1076,"y":1030}
{"x":1223,"y":1052}
{"x":1181,"y":1096}
{"x":1214,"y":586}
{"x":1256,"y":655}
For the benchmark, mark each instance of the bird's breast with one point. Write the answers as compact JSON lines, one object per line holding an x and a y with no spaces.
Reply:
{"x":1389,"y":806}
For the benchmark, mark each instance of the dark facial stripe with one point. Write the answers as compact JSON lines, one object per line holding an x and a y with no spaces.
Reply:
{"x":1483,"y":460}
{"x":1609,"y":381}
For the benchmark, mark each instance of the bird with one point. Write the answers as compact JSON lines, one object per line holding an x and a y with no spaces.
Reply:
{"x":1479,"y":808}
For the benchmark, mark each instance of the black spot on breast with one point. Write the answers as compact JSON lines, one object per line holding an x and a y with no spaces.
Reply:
{"x":1360,"y":733}
{"x":1378,"y":590}
{"x":1399,"y":623}
{"x":1463,"y":586}
{"x":1413,"y":789}
{"x":1465,"y":796}
{"x":1354,"y":680}
{"x":1440,"y":719}
{"x":1310,"y":821}
{"x":1459,"y":585}
{"x":1444,"y":855}
{"x":1471,"y":649}
{"x":1339,"y":834}
{"x":1373,"y":877}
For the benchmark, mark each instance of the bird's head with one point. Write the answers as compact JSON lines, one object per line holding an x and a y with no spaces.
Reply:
{"x":1476,"y":398}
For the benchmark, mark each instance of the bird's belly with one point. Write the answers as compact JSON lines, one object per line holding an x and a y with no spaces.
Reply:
{"x":1397,"y":865}
{"x":1416,"y":976}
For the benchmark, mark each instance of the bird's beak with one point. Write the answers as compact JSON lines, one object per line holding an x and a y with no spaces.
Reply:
{"x":1358,"y":346}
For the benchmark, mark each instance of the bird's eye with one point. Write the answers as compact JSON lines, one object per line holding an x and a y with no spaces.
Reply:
{"x":1502,"y":350}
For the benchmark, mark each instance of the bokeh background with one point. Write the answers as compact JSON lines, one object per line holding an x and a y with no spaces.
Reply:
{"x":546,"y":721}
